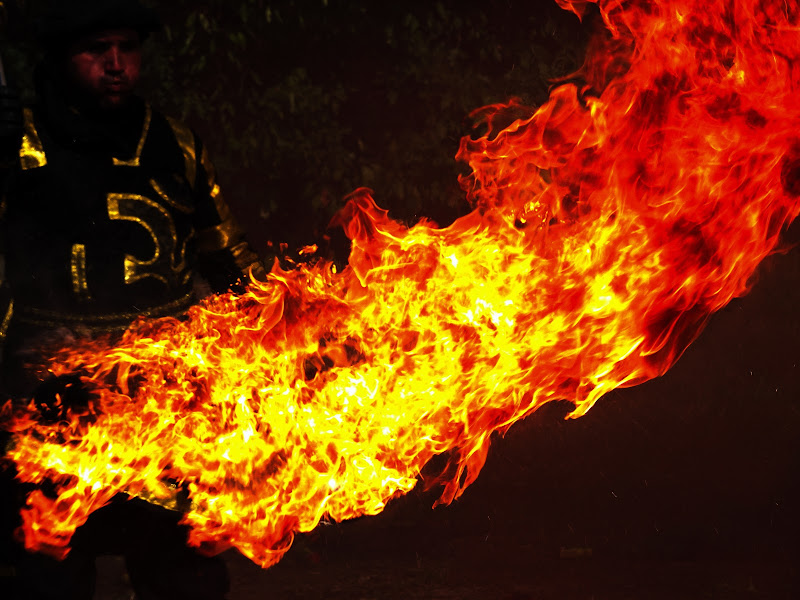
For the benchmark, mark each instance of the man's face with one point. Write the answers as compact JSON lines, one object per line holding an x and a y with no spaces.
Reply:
{"x":105,"y":66}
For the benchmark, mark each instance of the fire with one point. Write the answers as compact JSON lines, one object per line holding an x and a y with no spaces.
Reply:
{"x":608,"y":226}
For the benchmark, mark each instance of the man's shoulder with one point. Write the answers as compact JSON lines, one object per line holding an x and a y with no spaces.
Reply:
{"x":184,"y":135}
{"x":182,"y":132}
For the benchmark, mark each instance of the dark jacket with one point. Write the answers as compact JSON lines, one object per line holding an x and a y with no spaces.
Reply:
{"x":105,"y":220}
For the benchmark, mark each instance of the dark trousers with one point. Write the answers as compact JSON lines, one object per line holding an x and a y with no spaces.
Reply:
{"x":160,"y":564}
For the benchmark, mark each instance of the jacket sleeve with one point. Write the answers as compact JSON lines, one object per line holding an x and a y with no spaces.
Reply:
{"x":225,"y":258}
{"x":6,"y":301}
{"x":11,"y":145}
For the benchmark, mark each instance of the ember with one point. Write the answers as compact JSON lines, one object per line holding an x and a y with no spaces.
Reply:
{"x":607,"y":228}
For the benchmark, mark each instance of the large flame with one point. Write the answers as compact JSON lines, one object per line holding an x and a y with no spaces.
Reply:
{"x":607,"y":227}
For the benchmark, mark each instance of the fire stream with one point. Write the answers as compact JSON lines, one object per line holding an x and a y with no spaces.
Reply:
{"x":608,"y":226}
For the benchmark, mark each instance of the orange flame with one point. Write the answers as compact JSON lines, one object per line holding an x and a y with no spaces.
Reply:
{"x":608,"y":226}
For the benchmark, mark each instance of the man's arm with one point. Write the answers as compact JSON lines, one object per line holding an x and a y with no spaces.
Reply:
{"x":225,"y":256}
{"x":10,"y":142}
{"x":225,"y":259}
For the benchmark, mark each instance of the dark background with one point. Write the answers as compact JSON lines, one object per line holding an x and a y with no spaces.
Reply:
{"x":301,"y":102}
{"x":685,"y":487}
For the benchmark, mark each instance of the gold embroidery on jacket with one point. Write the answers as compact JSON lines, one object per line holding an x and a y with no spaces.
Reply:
{"x":219,"y":237}
{"x":225,"y":235}
{"x":31,"y":153}
{"x":223,"y":211}
{"x":78,"y":267}
{"x":6,"y":320}
{"x":181,"y":206}
{"x":49,"y":318}
{"x":136,"y":160}
{"x":167,"y":260}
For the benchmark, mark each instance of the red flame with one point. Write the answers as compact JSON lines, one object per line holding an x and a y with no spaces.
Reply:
{"x":608,"y":226}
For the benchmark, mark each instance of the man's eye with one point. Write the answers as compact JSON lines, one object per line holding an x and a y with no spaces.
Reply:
{"x":97,"y":48}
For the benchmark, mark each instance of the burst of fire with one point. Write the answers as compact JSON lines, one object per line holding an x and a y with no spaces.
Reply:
{"x":607,"y":227}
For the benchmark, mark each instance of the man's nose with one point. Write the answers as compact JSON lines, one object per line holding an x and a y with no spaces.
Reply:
{"x":113,"y":59}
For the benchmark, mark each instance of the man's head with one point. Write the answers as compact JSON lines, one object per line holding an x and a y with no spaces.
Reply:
{"x":104,"y":66}
{"x":98,"y":44}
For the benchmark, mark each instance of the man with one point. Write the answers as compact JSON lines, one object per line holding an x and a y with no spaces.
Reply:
{"x":115,"y":208}
{"x":111,"y":212}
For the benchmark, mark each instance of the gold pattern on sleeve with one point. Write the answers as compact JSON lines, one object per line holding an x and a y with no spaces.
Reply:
{"x":6,"y":320}
{"x":49,"y":318}
{"x":136,"y":160}
{"x":78,"y":267}
{"x":219,"y":237}
{"x":223,"y":211}
{"x":186,"y":141}
{"x":31,"y":153}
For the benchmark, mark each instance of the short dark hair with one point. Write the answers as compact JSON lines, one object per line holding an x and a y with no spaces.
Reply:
{"x":64,"y":21}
